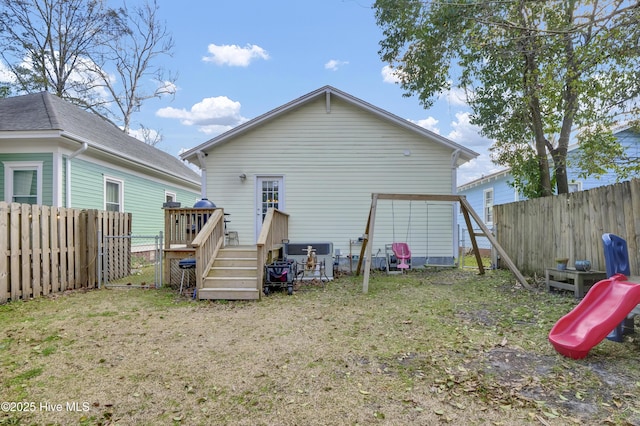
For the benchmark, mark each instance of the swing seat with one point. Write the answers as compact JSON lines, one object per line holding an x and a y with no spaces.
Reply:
{"x":402,"y":252}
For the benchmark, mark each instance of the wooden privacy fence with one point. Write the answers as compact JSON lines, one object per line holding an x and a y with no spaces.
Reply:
{"x":46,"y":250}
{"x":536,"y":232}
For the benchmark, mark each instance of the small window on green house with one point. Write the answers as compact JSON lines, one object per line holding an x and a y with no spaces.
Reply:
{"x":113,"y":195}
{"x":25,"y":186}
{"x":23,"y":182}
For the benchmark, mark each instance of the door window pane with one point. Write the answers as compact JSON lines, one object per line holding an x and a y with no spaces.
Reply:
{"x":270,"y":195}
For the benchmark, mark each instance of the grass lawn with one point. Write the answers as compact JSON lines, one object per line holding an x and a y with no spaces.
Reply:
{"x":424,"y":348}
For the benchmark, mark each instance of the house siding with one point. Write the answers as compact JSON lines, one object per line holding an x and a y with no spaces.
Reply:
{"x":47,"y":172}
{"x":628,"y":139}
{"x":63,"y":182}
{"x":331,"y":164}
{"x":142,"y":197}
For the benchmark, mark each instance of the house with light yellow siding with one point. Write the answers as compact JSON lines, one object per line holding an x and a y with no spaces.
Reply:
{"x":319,"y":158}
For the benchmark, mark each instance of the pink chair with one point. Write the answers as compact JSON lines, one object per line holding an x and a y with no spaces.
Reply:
{"x":402,"y":252}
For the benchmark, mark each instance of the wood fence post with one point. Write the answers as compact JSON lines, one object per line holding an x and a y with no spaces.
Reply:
{"x":91,"y":248}
{"x":14,"y":230}
{"x":4,"y":252}
{"x":45,"y":227}
{"x":36,"y":250}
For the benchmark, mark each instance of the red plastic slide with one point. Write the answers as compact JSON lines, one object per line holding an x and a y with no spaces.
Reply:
{"x":606,"y":304}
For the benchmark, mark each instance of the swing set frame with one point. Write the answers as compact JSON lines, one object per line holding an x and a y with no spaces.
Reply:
{"x":467,"y":212}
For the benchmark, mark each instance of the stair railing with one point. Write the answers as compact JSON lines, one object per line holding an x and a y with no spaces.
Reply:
{"x":207,"y":244}
{"x":275,"y":229}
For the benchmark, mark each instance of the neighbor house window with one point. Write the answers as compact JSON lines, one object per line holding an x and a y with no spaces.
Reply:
{"x":113,"y":195}
{"x":575,"y":186}
{"x":488,"y":206}
{"x":23,"y":182}
{"x":169,"y":197}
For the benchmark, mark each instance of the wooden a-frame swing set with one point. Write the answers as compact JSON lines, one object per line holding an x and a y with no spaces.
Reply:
{"x":467,"y":212}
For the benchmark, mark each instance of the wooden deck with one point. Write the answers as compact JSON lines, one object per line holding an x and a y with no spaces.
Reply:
{"x":222,"y":271}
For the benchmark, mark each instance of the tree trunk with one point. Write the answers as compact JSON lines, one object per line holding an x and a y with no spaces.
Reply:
{"x":560,"y":166}
{"x":543,"y":165}
{"x":530,"y":84}
{"x":541,"y":148}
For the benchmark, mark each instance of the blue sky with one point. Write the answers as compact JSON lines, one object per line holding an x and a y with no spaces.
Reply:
{"x":238,"y":59}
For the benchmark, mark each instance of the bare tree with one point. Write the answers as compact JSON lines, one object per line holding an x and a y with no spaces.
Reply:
{"x":149,"y":136}
{"x":101,"y":58}
{"x":142,"y":39}
{"x":46,"y":45}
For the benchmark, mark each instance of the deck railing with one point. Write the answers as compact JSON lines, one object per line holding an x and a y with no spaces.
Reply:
{"x":181,"y":225}
{"x":207,"y":243}
{"x":275,"y":230}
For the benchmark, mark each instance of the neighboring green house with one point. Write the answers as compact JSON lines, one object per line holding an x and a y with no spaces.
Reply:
{"x":54,"y":153}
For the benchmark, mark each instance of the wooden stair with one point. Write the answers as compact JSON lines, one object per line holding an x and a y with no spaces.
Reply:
{"x":233,"y":275}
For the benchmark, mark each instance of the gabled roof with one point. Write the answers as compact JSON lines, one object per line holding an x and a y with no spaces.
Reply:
{"x":465,"y":154}
{"x":485,"y":179}
{"x":39,"y":112}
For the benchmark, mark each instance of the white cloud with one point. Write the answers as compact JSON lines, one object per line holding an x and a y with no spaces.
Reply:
{"x":334,"y":64}
{"x":456,"y":97}
{"x":390,"y":75}
{"x":477,"y":168}
{"x":5,"y":75}
{"x":144,"y":134}
{"x":167,"y":87}
{"x":467,"y":134}
{"x":234,"y":55}
{"x":428,"y":123}
{"x":211,"y":115}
